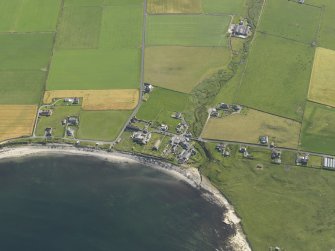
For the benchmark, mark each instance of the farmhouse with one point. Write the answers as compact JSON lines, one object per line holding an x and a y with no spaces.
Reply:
{"x":329,"y":163}
{"x":141,"y":138}
{"x":46,"y":113}
{"x":73,"y":121}
{"x":148,"y":88}
{"x":301,"y":1}
{"x":240,"y":30}
{"x":70,"y":132}
{"x":302,"y":160}
{"x":264,"y":140}
{"x":48,"y":132}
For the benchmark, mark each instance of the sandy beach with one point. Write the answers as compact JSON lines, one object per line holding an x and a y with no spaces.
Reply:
{"x":189,"y":175}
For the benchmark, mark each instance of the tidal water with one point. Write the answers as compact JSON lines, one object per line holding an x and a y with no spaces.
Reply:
{"x":83,"y":203}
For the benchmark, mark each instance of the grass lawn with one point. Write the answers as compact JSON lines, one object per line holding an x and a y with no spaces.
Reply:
{"x":226,"y":6}
{"x":25,"y":51}
{"x":174,"y":6}
{"x":277,"y":76}
{"x":322,"y":85}
{"x":289,"y":207}
{"x":187,"y":30}
{"x":318,"y":132}
{"x":182,"y":68}
{"x":161,"y":105}
{"x":101,"y":125}
{"x":29,"y":15}
{"x":250,"y":125}
{"x":95,"y":69}
{"x":79,"y":28}
{"x":300,"y":23}
{"x":55,"y":120}
{"x":21,"y":87}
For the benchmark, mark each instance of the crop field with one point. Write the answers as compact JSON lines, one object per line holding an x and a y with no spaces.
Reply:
{"x":79,"y":28}
{"x":101,"y":125}
{"x":182,"y":68}
{"x":278,"y":70}
{"x":300,"y":23}
{"x":161,"y":105}
{"x":187,"y":30}
{"x":174,"y":6}
{"x":318,"y":131}
{"x":249,"y":126}
{"x":16,"y":121}
{"x":322,"y":85}
{"x":99,"y":99}
{"x":29,"y":15}
{"x":227,"y":6}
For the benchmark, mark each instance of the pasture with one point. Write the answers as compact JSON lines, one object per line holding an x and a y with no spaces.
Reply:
{"x":187,"y":30}
{"x":174,"y":6}
{"x":300,"y":23}
{"x":227,"y":6}
{"x":16,"y":121}
{"x":25,"y":51}
{"x":277,"y":76}
{"x":161,"y":105}
{"x":55,"y":120}
{"x":322,"y":85}
{"x":95,"y":69}
{"x":101,"y":125}
{"x":94,"y":100}
{"x":250,"y":125}
{"x":318,"y":132}
{"x":182,"y":68}
{"x":29,"y":15}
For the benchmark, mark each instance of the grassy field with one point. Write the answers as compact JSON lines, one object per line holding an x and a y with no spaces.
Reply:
{"x":277,"y":69}
{"x":29,"y":15}
{"x":182,"y":68}
{"x":95,"y":69}
{"x":99,"y":100}
{"x":174,"y":6}
{"x":16,"y":121}
{"x":187,"y":30}
{"x":79,"y":28}
{"x":250,"y":125}
{"x":55,"y":120}
{"x":161,"y":105}
{"x":101,"y":125}
{"x":322,"y":85}
{"x":25,"y":51}
{"x":300,"y":23}
{"x":318,"y":132}
{"x":219,"y":6}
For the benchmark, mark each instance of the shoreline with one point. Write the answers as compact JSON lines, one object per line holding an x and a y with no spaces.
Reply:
{"x":189,"y":175}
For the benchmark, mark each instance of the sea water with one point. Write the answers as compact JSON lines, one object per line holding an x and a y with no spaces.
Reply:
{"x":84,"y":203}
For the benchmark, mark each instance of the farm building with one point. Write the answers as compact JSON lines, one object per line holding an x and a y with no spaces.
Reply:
{"x":148,"y":88}
{"x":329,"y":163}
{"x":240,"y":30}
{"x":46,"y":113}
{"x":141,"y":137}
{"x":48,"y":132}
{"x":302,"y":160}
{"x":301,"y":1}
{"x":74,"y":121}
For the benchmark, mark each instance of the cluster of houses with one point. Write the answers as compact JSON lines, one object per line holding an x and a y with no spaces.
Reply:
{"x":245,"y":153}
{"x":182,"y":148}
{"x":223,"y":149}
{"x":141,"y":137}
{"x":240,"y":30}
{"x":226,"y":108}
{"x":69,"y":122}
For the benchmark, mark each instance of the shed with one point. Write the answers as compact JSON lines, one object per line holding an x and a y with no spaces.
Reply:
{"x":329,"y":163}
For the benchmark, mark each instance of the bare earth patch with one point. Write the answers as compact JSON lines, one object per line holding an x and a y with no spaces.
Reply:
{"x":322,"y":85}
{"x":98,"y":100}
{"x":249,"y":126}
{"x":16,"y":121}
{"x":174,"y":6}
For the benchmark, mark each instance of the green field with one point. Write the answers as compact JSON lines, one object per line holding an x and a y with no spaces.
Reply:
{"x":300,"y":23}
{"x":95,"y":69}
{"x":289,"y":207}
{"x":101,"y":125}
{"x":161,"y":105}
{"x":187,"y":30}
{"x":277,"y":76}
{"x":79,"y":28}
{"x":227,"y":6}
{"x":182,"y":68}
{"x":25,"y":51}
{"x":174,"y":6}
{"x":29,"y":15}
{"x":318,"y":131}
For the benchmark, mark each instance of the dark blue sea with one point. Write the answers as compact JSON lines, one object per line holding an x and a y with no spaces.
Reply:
{"x":82,"y":203}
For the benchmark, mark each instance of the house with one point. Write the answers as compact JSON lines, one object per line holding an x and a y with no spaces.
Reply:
{"x":141,"y":137}
{"x":241,"y":30}
{"x":264,"y":140}
{"x":276,"y":156}
{"x":148,"y":88}
{"x":76,"y":101}
{"x":164,"y":128}
{"x":69,"y":100}
{"x":329,"y":163}
{"x":301,"y":1}
{"x":157,"y":145}
{"x":223,"y":106}
{"x":236,"y":108}
{"x":72,"y":121}
{"x":46,"y":113}
{"x":177,"y":115}
{"x":302,"y":160}
{"x":69,"y":132}
{"x":214,"y":113}
{"x":48,"y":132}
{"x":133,"y":128}
{"x":243,"y":149}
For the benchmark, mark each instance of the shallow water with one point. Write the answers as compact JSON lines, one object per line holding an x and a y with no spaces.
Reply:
{"x":83,"y":203}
